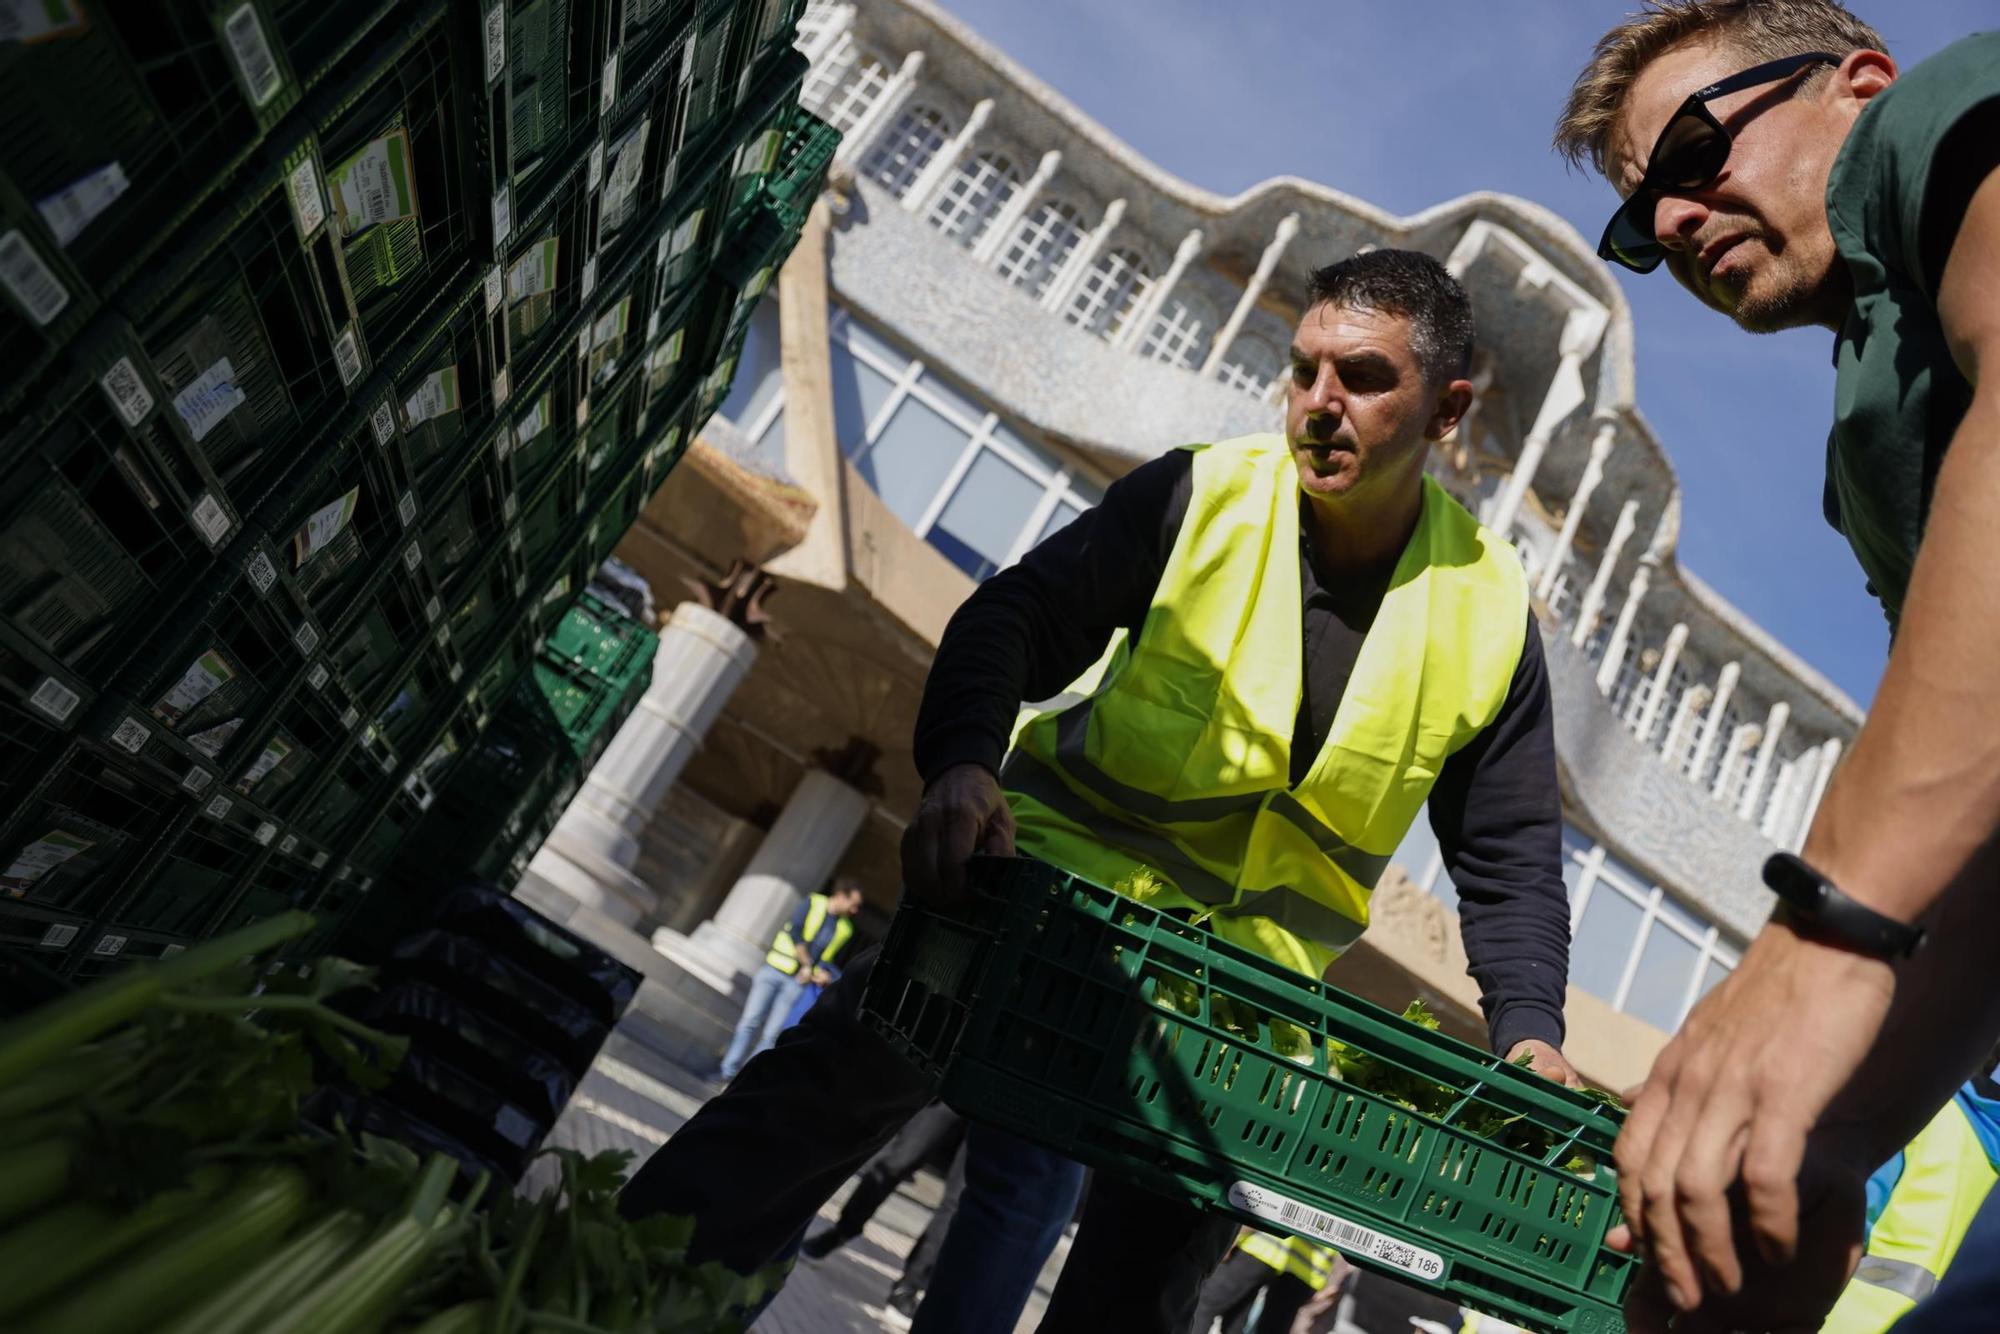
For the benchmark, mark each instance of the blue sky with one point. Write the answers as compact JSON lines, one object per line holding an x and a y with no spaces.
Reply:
{"x":1409,"y":105}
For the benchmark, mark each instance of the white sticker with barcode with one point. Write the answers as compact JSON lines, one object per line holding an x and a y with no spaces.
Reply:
{"x":456,"y":671}
{"x":443,"y":636}
{"x":127,"y":392}
{"x":265,"y":833}
{"x":406,"y":509}
{"x":503,"y":216}
{"x":308,"y":205}
{"x":29,"y":280}
{"x":610,"y":92}
{"x":382,"y":422}
{"x":263,"y":573}
{"x":219,"y":806}
{"x":209,"y":398}
{"x":318,"y":676}
{"x":319,"y":858}
{"x":169,"y":951}
{"x":433,"y":608}
{"x":589,"y":283}
{"x":131,"y":735}
{"x":582,"y":413}
{"x":109,"y":947}
{"x":347,"y":356}
{"x":500,"y":387}
{"x":197,"y":779}
{"x":509,"y":508}
{"x":1338,"y":1232}
{"x":288,"y":844}
{"x":59,"y":935}
{"x":412,"y":556}
{"x":55,"y":699}
{"x":306,"y":638}
{"x":349,"y":718}
{"x":74,"y":207}
{"x":596,"y":174}
{"x":210,"y":519}
{"x":496,"y":41}
{"x":493,"y":289}
{"x":254,"y":61}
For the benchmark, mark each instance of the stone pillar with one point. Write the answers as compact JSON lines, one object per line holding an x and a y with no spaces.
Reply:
{"x":1676,"y":640}
{"x":1134,"y":332}
{"x":862,"y":135}
{"x":1692,"y":703}
{"x":1621,"y":629}
{"x":1267,"y":263}
{"x":932,"y":178}
{"x":704,"y":654}
{"x":1735,"y":752}
{"x":1579,"y":501}
{"x":1593,"y":597}
{"x":796,"y":858}
{"x":1774,"y":727}
{"x":1566,"y":394}
{"x":1775,"y":823}
{"x":1725,"y":685}
{"x":1080,"y":259}
{"x":1016,"y":208}
{"x":839,"y":23}
{"x":1829,"y":757}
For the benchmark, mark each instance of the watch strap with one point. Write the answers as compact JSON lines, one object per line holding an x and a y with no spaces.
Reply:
{"x":1818,"y":902}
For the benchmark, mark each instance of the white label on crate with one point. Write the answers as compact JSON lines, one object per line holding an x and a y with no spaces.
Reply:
{"x":589,"y":281}
{"x":109,"y":946}
{"x":760,"y":154}
{"x":413,"y":555}
{"x":308,"y":205}
{"x":500,"y":387}
{"x":169,"y":951}
{"x":537,"y":421}
{"x":263,"y":573}
{"x":596,"y":172}
{"x":131,"y":735}
{"x":265,"y":833}
{"x":433,"y":609}
{"x":406,"y":509}
{"x":520,"y":585}
{"x":69,"y":210}
{"x":197,"y":779}
{"x":685,"y":234}
{"x":29,"y":280}
{"x":609,"y":94}
{"x":210,"y":520}
{"x":376,"y":185}
{"x":349,"y":718}
{"x":209,"y":397}
{"x":318,"y":676}
{"x":306,"y":638}
{"x":443,"y":636}
{"x":535,"y":271}
{"x":514,"y":535}
{"x":652,"y":326}
{"x":347,"y":355}
{"x":203,"y":677}
{"x":455,"y":673}
{"x":612,"y":323}
{"x":628,"y":163}
{"x":582,"y":413}
{"x":322,"y":526}
{"x":55,"y":699}
{"x":387,"y":761}
{"x":495,"y":284}
{"x":436,"y":394}
{"x":253,"y":55}
{"x":1335,"y":1231}
{"x":289,"y":844}
{"x":669,"y":350}
{"x":382,"y":422}
{"x":503,"y":216}
{"x":319,"y":858}
{"x":39,"y":858}
{"x":496,"y":41}
{"x":58,"y":935}
{"x":583,"y":341}
{"x":127,"y":392}
{"x":219,"y":806}
{"x":211,"y":742}
{"x":41,"y":20}
{"x":510,"y":507}
{"x":275,"y":751}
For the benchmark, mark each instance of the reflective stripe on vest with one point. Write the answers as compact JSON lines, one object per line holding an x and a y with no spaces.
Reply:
{"x":1309,"y":1264}
{"x":1176,"y":757}
{"x":782,"y":957}
{"x":1946,"y":1177}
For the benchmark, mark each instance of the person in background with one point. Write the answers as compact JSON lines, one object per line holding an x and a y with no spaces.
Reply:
{"x":1285,"y":1271}
{"x":814,"y":937}
{"x":936,"y":1129}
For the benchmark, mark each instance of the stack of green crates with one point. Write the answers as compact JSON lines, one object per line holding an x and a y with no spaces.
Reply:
{"x":344,"y":339}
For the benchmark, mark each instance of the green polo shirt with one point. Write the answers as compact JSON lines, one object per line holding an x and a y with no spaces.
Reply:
{"x":1897,"y":193}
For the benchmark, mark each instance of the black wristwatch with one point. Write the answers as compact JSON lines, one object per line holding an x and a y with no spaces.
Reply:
{"x":1818,"y":904}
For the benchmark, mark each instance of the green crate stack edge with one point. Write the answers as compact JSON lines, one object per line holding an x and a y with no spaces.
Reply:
{"x":295,"y":603}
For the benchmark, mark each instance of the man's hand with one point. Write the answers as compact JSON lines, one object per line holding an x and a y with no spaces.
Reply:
{"x":1546,"y":1061}
{"x":821,"y":977}
{"x":962,"y":812}
{"x":1735,"y":1094}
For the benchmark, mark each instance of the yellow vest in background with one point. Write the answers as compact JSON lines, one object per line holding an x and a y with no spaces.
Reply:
{"x":1311,"y":1265}
{"x":781,"y":956}
{"x":1178,"y":760}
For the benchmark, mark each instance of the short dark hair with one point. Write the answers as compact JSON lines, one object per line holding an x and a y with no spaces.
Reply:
{"x":845,"y":884}
{"x":1413,"y":285}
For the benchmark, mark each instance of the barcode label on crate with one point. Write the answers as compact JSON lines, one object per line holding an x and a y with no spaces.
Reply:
{"x":582,"y":413}
{"x":513,"y":535}
{"x":376,"y":185}
{"x":496,"y":42}
{"x":413,"y":555}
{"x":535,"y":271}
{"x":494,"y":286}
{"x":55,"y":699}
{"x":589,"y":282}
{"x":383,"y":422}
{"x":252,"y":51}
{"x":455,"y":673}
{"x":197,"y":779}
{"x":262,"y":570}
{"x":609,"y":94}
{"x":319,"y":858}
{"x":500,"y":387}
{"x":406,"y":509}
{"x":350,"y":717}
{"x":29,"y":280}
{"x":583,"y":341}
{"x":535,"y":422}
{"x":1335,"y":1231}
{"x":521,"y":585}
{"x":443,"y":636}
{"x":433,"y":609}
{"x":210,"y":519}
{"x":503,"y":216}
{"x":39,"y":858}
{"x":265,"y":833}
{"x":219,"y":806}
{"x":596,"y":173}
{"x":347,"y":355}
{"x":289,"y":844}
{"x":759,"y":155}
{"x":131,"y":735}
{"x":435,"y":396}
{"x":318,"y":676}
{"x":59,"y":935}
{"x":308,"y":205}
{"x":169,"y":951}
{"x":109,"y":946}
{"x":127,"y":392}
{"x":322,"y":526}
{"x":209,"y":398}
{"x":69,"y":210}
{"x":306,"y":638}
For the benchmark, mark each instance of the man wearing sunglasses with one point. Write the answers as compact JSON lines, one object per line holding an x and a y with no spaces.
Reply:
{"x":1771,"y":157}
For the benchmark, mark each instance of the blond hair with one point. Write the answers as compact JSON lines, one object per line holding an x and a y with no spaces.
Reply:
{"x":1759,"y":30}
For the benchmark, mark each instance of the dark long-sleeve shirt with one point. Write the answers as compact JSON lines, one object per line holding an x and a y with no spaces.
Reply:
{"x":1030,"y":630}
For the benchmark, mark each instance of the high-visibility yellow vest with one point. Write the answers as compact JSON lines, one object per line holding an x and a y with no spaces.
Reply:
{"x":1179,"y":759}
{"x":1311,"y":1265}
{"x":1946,"y":1175}
{"x":781,"y":956}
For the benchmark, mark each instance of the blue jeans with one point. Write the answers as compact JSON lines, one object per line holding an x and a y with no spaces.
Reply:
{"x":771,"y":996}
{"x":1968,"y":1296}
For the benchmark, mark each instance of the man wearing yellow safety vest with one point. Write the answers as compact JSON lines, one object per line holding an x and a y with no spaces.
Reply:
{"x":1286,"y":1270}
{"x":804,"y":948}
{"x":1301,"y":642}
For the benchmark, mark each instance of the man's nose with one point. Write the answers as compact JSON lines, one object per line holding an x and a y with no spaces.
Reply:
{"x":1676,"y":220}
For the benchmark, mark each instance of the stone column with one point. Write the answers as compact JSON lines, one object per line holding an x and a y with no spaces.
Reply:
{"x":796,"y":858}
{"x":1080,"y":259}
{"x":1677,"y":639}
{"x":704,"y":654}
{"x":1134,"y":332}
{"x":1267,"y":263}
{"x":1016,"y":208}
{"x":862,"y":135}
{"x":1621,"y":629}
{"x":1829,"y":757}
{"x":1734,"y":752}
{"x":1725,"y":685}
{"x":1566,"y":394}
{"x":932,"y":178}
{"x":1579,"y":501}
{"x":1774,"y":727}
{"x":1593,"y":597}
{"x":1781,"y":793}
{"x":1692,"y":703}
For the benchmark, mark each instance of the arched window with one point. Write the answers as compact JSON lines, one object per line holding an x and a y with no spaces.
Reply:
{"x":851,"y":103}
{"x":900,"y":156}
{"x":1108,"y":293}
{"x":1038,"y":249}
{"x":1251,"y":364}
{"x":1178,"y":332}
{"x":977,"y":191}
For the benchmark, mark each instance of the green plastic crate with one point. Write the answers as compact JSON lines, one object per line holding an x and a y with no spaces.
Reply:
{"x":802,"y":165}
{"x":600,"y":638}
{"x":1142,"y":1045}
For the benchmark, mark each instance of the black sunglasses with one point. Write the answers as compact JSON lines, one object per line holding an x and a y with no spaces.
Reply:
{"x":1689,"y":153}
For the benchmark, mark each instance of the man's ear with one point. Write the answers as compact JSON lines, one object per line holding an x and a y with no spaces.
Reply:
{"x":1863,"y":74}
{"x":1453,"y":402}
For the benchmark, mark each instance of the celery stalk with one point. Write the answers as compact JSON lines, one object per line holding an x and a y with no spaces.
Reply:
{"x":362,"y":1292}
{"x":257,"y":1298}
{"x":465,"y":1318}
{"x":47,"y":1253}
{"x":33,"y":1175}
